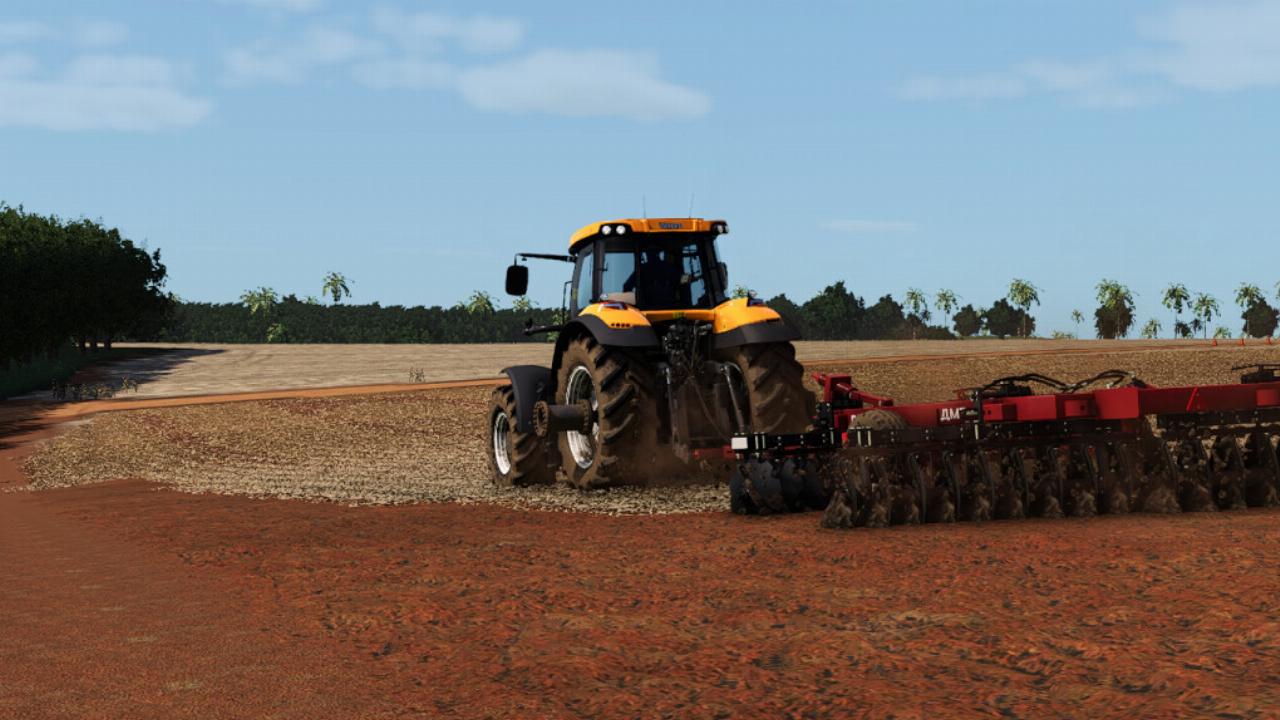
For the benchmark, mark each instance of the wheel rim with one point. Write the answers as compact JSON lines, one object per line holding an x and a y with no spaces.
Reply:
{"x":502,"y":442}
{"x":582,"y":446}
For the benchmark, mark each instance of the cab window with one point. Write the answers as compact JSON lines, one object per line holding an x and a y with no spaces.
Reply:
{"x":583,"y":273}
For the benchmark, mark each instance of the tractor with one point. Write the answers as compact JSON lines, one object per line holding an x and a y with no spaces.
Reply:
{"x":655,"y":368}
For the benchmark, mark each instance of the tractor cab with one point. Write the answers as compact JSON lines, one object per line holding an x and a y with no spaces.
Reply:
{"x":675,"y":267}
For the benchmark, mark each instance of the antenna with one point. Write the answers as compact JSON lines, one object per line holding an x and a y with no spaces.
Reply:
{"x":644,"y":207}
{"x":690,"y":206}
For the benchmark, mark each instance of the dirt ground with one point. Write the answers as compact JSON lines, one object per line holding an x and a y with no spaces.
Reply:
{"x":431,"y":445}
{"x":200,"y":369}
{"x":122,"y":597}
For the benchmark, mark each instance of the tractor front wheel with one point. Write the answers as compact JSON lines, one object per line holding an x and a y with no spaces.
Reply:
{"x":516,"y":459}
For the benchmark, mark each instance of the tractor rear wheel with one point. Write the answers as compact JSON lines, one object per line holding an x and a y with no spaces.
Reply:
{"x":622,"y":447}
{"x":777,"y":400}
{"x":516,"y":459}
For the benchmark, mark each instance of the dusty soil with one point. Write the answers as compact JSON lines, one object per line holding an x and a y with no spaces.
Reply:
{"x":125,"y":598}
{"x":201,"y":369}
{"x":431,"y":445}
{"x":445,"y":610}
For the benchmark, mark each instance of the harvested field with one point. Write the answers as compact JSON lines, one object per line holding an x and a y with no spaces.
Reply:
{"x":202,"y":369}
{"x":430,"y":445}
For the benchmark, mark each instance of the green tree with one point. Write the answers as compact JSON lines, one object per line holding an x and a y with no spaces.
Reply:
{"x":1178,"y":299}
{"x":1222,"y":333}
{"x":917,"y":305}
{"x":260,"y":302}
{"x":481,"y":303}
{"x":833,"y":314}
{"x":1248,"y":296}
{"x":1114,"y":316}
{"x":1205,"y":309}
{"x":335,"y":286}
{"x":968,"y":321}
{"x":740,"y":291}
{"x":1022,"y":294}
{"x":1077,"y":317}
{"x":946,"y":302}
{"x":1003,"y":320}
{"x":1151,"y":330}
{"x":1260,"y":319}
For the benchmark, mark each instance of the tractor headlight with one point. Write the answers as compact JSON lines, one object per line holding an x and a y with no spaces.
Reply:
{"x":622,"y":229}
{"x":606,"y":229}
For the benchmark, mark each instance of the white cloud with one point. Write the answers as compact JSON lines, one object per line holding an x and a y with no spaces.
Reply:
{"x":97,"y":92}
{"x":23,"y":31}
{"x":409,"y":73}
{"x":16,"y":65}
{"x":319,"y":47}
{"x":990,"y":86}
{"x":100,"y":33}
{"x":868,"y":227}
{"x":1220,"y":46}
{"x":429,"y":31}
{"x":582,"y":83}
{"x":298,"y":6}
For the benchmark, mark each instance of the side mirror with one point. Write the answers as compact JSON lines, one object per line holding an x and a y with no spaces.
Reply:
{"x":724,"y":274}
{"x":517,"y":280}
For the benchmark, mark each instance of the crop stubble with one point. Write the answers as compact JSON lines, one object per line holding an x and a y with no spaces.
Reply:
{"x":430,"y":446}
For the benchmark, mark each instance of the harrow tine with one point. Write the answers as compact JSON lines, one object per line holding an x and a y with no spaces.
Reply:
{"x":917,"y":476}
{"x":1262,"y":470}
{"x":1080,"y":487}
{"x":1158,"y":486}
{"x":1190,"y":465}
{"x":1227,"y":473}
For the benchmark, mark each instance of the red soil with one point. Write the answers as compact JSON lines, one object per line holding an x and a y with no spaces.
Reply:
{"x":479,"y":611}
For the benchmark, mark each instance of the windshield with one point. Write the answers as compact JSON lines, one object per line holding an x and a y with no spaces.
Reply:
{"x":661,"y":274}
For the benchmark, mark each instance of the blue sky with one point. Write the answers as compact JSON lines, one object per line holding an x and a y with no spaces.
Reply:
{"x":415,"y":146}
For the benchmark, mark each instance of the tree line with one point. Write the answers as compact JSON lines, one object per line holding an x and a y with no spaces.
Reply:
{"x":835,"y":313}
{"x":73,"y":281}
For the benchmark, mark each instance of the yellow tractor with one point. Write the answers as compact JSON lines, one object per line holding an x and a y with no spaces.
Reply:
{"x":655,"y":368}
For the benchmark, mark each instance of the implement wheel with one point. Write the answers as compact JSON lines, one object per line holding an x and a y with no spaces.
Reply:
{"x":516,"y":459}
{"x":777,"y":400}
{"x":622,"y":446}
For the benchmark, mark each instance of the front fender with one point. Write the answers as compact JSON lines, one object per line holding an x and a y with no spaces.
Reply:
{"x":530,"y":383}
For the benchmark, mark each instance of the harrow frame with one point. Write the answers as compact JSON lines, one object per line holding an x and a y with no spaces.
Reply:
{"x":1001,"y":451}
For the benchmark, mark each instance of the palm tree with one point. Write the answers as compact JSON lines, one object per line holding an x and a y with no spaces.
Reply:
{"x":481,"y":303}
{"x":1222,"y":333}
{"x":335,"y":286}
{"x":1077,"y":317}
{"x":1176,"y":298}
{"x":262,"y":300}
{"x":1247,"y":296}
{"x":946,"y":301}
{"x":1151,"y":330}
{"x":1205,"y":308}
{"x":1023,"y":294}
{"x":918,"y":305}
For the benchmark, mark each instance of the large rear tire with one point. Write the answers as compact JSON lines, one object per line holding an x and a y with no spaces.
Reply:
{"x":516,"y":459}
{"x":622,"y":447}
{"x":777,"y":400}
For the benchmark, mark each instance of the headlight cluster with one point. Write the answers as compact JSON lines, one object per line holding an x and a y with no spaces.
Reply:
{"x":720,"y":228}
{"x":614,"y":229}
